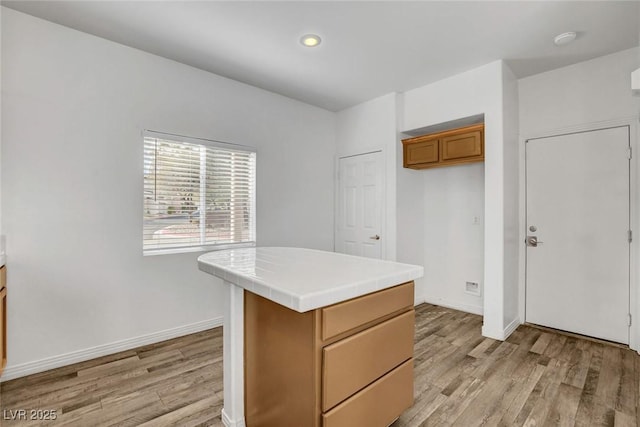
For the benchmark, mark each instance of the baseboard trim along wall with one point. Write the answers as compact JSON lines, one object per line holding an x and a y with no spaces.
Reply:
{"x":511,"y":327}
{"x":467,"y":308}
{"x":498,"y":335}
{"x":29,"y":368}
{"x":228,"y":422}
{"x":504,"y":334}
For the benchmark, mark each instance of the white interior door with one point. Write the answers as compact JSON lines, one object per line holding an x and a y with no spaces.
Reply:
{"x":577,"y":277}
{"x":359,"y":213}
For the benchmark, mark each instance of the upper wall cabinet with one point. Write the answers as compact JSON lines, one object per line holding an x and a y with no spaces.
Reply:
{"x":451,"y":147}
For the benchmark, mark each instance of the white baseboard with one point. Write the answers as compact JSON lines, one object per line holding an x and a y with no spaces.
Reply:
{"x":497,"y":334}
{"x":511,"y":327}
{"x":29,"y":368}
{"x":501,"y":335}
{"x":227,"y":422}
{"x":467,"y":308}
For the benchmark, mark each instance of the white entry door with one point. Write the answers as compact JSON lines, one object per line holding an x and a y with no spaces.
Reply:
{"x":359,"y":211}
{"x":577,"y":275}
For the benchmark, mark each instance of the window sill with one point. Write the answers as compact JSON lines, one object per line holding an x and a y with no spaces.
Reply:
{"x":211,"y":248}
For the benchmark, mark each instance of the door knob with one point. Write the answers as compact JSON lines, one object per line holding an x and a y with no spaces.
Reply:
{"x":376,"y":237}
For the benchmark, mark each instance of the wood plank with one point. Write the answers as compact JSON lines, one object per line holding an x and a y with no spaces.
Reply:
{"x":193,"y":414}
{"x":455,"y":404}
{"x":460,"y":378}
{"x":564,"y":408}
{"x":541,"y":344}
{"x":609,"y":380}
{"x":626,"y":393}
{"x":427,"y":400}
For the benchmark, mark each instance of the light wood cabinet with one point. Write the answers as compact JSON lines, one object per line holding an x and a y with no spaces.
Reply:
{"x":377,"y":402}
{"x":338,"y":366}
{"x":448,"y":148}
{"x":423,"y":152}
{"x":362,"y":358}
{"x":3,"y":318}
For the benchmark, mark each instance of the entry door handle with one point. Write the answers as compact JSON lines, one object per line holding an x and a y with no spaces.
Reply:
{"x":533,"y":241}
{"x":376,"y":237}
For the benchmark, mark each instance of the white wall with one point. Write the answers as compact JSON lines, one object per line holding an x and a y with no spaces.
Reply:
{"x":410,"y":204}
{"x":453,"y":245}
{"x":479,"y":91}
{"x":367,"y":127}
{"x":1,"y":9}
{"x":411,"y":221}
{"x":74,"y":106}
{"x":511,"y":188}
{"x":589,"y":94}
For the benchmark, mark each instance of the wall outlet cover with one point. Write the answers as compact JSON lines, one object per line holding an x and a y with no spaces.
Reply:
{"x":473,"y":288}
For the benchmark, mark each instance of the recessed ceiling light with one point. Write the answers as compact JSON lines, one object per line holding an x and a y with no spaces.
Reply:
{"x":564,"y":38}
{"x":310,"y":40}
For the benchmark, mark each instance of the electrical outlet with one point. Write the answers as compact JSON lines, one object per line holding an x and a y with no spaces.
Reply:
{"x":475,"y":220}
{"x":473,"y":288}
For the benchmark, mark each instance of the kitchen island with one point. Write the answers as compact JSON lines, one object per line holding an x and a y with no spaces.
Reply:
{"x":314,"y":338}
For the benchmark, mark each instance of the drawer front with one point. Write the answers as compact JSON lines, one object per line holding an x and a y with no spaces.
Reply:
{"x":354,"y":362}
{"x":378,"y":404}
{"x":3,"y":276}
{"x":421,"y":152}
{"x":347,"y":315}
{"x":461,"y":146}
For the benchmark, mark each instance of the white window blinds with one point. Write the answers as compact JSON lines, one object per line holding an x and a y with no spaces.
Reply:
{"x":197,"y":194}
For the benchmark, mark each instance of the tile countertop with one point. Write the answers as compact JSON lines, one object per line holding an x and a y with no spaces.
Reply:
{"x":305,"y":279}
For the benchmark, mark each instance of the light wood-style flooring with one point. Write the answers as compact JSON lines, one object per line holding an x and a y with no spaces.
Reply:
{"x":535,"y":378}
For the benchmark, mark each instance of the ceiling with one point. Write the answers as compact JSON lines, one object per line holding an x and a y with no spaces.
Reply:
{"x":369,"y":48}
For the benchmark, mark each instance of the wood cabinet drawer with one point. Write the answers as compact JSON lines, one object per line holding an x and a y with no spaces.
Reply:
{"x":461,"y":146}
{"x":348,"y":315}
{"x":378,"y":404}
{"x":422,"y":152}
{"x":354,"y":362}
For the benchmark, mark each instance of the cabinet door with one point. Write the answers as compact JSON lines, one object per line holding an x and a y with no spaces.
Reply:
{"x":461,"y":146}
{"x":421,"y":152}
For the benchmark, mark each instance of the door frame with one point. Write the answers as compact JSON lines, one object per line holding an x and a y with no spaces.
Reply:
{"x":634,"y":198}
{"x":383,"y":200}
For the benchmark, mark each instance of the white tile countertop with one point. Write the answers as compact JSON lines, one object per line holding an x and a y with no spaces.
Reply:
{"x":305,"y":279}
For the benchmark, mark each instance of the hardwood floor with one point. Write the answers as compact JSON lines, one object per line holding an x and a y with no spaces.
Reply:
{"x":535,"y":378}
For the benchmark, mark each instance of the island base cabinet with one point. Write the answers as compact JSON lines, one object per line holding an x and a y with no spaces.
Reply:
{"x":379,"y":404}
{"x":3,"y":318}
{"x":280,"y":364}
{"x":296,"y":363}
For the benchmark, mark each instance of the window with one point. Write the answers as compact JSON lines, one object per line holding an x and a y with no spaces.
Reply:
{"x":198,"y":194}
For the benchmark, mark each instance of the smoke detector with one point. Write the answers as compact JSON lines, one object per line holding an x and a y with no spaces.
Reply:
{"x":565,"y":38}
